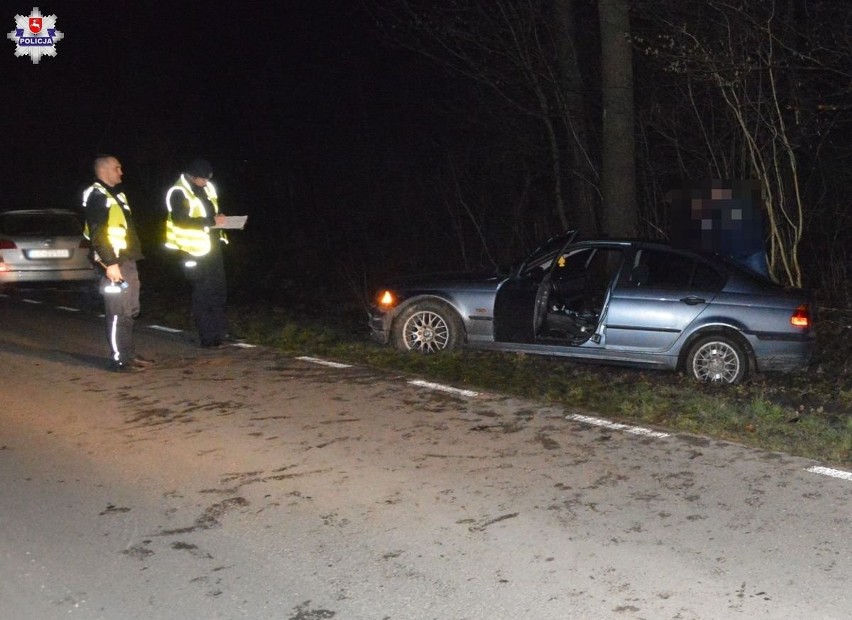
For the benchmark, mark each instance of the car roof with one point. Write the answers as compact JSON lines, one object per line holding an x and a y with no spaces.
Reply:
{"x":648,"y":243}
{"x":625,"y":241}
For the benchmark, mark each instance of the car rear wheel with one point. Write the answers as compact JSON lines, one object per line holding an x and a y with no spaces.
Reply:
{"x":717,"y":359}
{"x":427,"y":327}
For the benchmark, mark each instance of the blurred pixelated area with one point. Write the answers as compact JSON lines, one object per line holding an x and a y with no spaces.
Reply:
{"x":721,"y":216}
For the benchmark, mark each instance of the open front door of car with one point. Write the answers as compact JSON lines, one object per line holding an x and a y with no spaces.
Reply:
{"x":579,"y":294}
{"x":523,"y":299}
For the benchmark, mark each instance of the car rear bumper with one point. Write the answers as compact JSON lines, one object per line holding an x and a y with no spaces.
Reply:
{"x":783,"y":355}
{"x":47,"y":275}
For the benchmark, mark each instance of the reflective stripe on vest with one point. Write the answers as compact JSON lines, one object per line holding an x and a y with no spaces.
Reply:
{"x":193,"y":241}
{"x":116,"y":221}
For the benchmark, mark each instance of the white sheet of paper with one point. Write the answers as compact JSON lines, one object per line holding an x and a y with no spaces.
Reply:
{"x":236,"y":222}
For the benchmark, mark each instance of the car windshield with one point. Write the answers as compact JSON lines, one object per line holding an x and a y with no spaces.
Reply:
{"x":543,"y":256}
{"x":39,"y":225}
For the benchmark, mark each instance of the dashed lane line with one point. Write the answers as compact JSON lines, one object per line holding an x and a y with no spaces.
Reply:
{"x":828,"y":471}
{"x":163,"y":328}
{"x":322,"y":362}
{"x":444,"y":388}
{"x":635,"y":430}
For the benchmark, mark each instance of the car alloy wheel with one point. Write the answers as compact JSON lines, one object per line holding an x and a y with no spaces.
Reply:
{"x":427,"y":328}
{"x":717,"y":359}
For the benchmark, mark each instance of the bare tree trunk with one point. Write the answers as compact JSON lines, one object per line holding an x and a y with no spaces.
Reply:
{"x":618,"y":179}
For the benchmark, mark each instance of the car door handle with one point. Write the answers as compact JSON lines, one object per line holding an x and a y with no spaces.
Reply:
{"x":692,"y":300}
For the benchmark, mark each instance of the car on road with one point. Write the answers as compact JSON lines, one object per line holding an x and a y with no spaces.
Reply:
{"x":43,"y":245}
{"x":628,"y":302}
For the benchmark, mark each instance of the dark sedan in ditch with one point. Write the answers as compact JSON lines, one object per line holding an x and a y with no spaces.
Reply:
{"x":610,"y":301}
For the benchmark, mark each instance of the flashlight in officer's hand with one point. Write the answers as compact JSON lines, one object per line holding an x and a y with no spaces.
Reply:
{"x":113,"y":287}
{"x":116,"y":287}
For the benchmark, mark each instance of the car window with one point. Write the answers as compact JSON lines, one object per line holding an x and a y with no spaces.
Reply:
{"x":582,"y":276}
{"x":598,"y":262}
{"x":706,"y":278}
{"x":668,"y":270}
{"x":573,"y":263}
{"x":541,"y":260}
{"x":40,"y":224}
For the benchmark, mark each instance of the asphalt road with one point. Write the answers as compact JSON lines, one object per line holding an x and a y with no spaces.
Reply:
{"x":243,"y":483}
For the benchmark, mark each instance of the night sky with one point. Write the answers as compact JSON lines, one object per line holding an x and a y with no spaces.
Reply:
{"x":299,"y":106}
{"x":351,"y":155}
{"x":258,"y":88}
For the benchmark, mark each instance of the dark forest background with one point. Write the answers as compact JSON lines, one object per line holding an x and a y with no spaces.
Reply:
{"x":377,"y":137}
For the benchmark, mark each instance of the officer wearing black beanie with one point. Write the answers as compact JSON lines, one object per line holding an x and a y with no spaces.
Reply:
{"x":193,"y":206}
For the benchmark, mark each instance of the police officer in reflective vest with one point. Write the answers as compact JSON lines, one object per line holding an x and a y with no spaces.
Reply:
{"x":193,"y":207}
{"x":115,"y":248}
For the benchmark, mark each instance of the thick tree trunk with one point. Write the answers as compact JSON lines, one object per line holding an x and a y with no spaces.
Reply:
{"x":582,"y":175}
{"x":618,"y":172}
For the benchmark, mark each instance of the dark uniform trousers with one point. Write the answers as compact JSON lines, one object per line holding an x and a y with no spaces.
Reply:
{"x":209,"y":293}
{"x":121,"y":309}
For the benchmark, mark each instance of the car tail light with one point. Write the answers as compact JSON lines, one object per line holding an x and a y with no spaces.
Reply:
{"x":801,"y":317}
{"x":5,"y":244}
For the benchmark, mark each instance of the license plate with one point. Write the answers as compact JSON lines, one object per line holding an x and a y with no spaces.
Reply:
{"x":51,"y":253}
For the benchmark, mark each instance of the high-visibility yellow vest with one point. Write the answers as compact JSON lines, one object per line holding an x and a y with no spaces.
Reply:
{"x":116,"y":221}
{"x":194,"y":241}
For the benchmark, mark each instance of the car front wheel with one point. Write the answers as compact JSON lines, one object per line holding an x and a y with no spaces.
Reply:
{"x":717,"y":359}
{"x":427,"y":327}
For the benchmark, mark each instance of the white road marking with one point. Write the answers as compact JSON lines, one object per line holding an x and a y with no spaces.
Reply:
{"x":32,"y":301}
{"x":443,"y":388}
{"x":162,"y":328}
{"x":173,"y":330}
{"x":828,"y":471}
{"x":316,"y":360}
{"x":68,"y":309}
{"x":636,"y":430}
